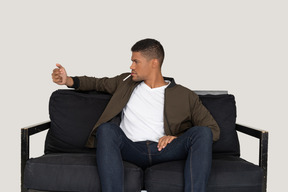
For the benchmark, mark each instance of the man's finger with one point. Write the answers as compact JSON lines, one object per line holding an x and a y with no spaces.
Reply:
{"x":59,"y":66}
{"x":159,"y":144}
{"x":56,"y":71}
{"x":162,"y":143}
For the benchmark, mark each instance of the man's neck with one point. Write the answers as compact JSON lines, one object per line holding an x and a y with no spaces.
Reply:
{"x":158,"y":81}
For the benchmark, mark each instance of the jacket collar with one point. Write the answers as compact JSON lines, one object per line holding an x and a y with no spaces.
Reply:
{"x":172,"y":82}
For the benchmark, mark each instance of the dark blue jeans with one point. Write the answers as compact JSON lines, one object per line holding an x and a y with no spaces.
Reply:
{"x":195,"y":145}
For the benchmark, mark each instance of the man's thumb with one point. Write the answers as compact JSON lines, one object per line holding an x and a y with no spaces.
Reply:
{"x":59,"y":66}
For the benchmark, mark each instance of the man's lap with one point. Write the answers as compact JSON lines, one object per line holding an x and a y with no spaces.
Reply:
{"x":145,"y":153}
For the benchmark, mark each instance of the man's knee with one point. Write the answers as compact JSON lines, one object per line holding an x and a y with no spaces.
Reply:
{"x":201,"y":133}
{"x":107,"y":130}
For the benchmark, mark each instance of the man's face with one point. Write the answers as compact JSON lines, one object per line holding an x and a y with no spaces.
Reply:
{"x":140,"y":67}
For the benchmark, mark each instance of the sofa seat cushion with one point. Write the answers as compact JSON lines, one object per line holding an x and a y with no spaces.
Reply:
{"x":228,"y":174}
{"x":73,"y":172}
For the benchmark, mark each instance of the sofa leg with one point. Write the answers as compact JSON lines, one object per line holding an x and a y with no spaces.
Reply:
{"x":25,"y":142}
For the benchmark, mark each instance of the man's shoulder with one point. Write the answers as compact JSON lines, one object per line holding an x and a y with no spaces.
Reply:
{"x":177,"y":87}
{"x":181,"y":88}
{"x":181,"y":92}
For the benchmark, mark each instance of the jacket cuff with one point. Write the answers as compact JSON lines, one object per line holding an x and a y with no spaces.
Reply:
{"x":76,"y":84}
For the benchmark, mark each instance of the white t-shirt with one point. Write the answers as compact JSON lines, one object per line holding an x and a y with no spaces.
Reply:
{"x":142,"y":117}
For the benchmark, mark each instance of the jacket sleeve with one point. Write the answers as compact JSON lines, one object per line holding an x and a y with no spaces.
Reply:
{"x":202,"y":117}
{"x":105,"y":84}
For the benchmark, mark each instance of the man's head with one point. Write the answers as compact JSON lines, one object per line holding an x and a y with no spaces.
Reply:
{"x":150,"y":49}
{"x":147,"y":58}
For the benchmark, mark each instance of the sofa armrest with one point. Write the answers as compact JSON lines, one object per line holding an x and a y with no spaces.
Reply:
{"x":262,"y":135}
{"x":25,"y":144}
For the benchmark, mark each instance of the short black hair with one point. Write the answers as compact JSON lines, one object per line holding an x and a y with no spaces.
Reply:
{"x":150,"y":48}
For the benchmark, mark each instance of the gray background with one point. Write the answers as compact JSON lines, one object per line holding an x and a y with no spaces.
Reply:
{"x":239,"y":46}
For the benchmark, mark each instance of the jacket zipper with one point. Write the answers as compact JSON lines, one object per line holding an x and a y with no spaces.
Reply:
{"x":165,"y":115}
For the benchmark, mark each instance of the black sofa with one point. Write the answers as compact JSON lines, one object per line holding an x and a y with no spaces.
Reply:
{"x":68,"y":166}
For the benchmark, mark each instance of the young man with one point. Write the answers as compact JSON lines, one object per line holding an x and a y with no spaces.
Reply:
{"x":161,"y":121}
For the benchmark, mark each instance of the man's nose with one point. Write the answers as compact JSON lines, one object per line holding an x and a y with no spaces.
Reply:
{"x":132,"y":66}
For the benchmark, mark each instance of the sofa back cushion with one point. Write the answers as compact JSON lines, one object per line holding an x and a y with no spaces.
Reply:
{"x":73,"y":115}
{"x":223,"y":109}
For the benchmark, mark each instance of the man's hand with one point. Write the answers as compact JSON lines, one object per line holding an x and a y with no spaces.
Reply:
{"x":164,"y":141}
{"x":60,"y":77}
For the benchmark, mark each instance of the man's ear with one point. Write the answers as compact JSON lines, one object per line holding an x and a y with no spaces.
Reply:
{"x":155,"y":63}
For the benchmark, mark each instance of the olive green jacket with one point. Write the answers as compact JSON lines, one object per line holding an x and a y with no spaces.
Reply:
{"x":182,"y":107}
